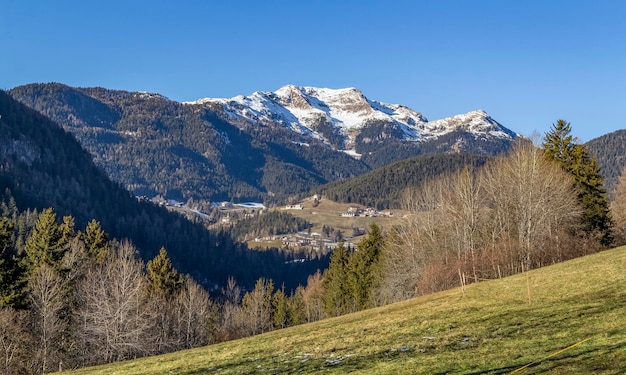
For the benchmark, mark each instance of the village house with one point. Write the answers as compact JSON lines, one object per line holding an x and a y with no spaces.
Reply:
{"x":293,"y":207}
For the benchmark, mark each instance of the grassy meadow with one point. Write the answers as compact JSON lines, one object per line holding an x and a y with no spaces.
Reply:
{"x":493,"y":327}
{"x":328,"y":213}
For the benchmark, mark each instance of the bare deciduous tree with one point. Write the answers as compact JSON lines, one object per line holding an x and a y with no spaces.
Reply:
{"x":196,"y":315}
{"x":618,"y":210}
{"x":313,"y":298}
{"x":115,"y":321}
{"x":14,"y":341}
{"x":257,"y":307}
{"x":533,"y":200}
{"x":231,"y":318}
{"x":47,"y":301}
{"x":521,"y":207}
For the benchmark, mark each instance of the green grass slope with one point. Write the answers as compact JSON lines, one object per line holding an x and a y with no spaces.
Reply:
{"x":489,"y":328}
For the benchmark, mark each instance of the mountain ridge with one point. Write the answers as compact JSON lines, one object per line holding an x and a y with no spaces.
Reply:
{"x":251,"y":149}
{"x":304,"y":109}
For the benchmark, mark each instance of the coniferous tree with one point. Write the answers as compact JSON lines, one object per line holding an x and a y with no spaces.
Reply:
{"x":6,"y":231}
{"x":337,"y":293}
{"x":559,"y":145}
{"x":47,"y":242}
{"x":96,"y":241}
{"x":364,"y":269}
{"x":163,"y":279}
{"x":279,"y":309}
{"x":67,"y":229}
{"x":592,"y":195}
{"x":296,"y":307}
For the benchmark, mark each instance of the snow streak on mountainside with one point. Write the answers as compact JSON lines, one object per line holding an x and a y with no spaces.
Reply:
{"x":346,"y":113}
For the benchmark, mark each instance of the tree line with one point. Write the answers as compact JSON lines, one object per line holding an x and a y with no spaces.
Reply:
{"x":532,"y":207}
{"x":71,"y":298}
{"x":382,"y":188}
{"x":268,"y":224}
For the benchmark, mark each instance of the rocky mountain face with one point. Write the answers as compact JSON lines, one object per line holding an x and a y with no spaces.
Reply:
{"x":347,"y":121}
{"x":265,"y":146}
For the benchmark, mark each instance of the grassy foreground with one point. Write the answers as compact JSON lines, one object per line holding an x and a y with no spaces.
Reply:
{"x":490,"y":329}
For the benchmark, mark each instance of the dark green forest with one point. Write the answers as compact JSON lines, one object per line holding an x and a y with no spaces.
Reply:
{"x":268,"y":224}
{"x":382,"y":188}
{"x":610,"y":152}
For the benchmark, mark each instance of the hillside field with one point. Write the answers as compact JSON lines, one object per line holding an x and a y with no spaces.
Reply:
{"x":568,"y":318}
{"x":328,"y":213}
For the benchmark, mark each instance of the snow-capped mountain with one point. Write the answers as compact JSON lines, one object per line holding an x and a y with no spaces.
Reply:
{"x":338,"y":117}
{"x":268,"y":145}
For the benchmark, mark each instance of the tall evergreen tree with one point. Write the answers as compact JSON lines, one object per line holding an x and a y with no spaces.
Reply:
{"x":592,"y":195}
{"x":13,"y":288}
{"x":364,"y":268}
{"x":6,"y":231}
{"x":559,"y":145}
{"x":337,"y":299}
{"x":163,"y":279}
{"x":96,"y":241}
{"x":280,"y":309}
{"x":47,"y":243}
{"x":295,"y":307}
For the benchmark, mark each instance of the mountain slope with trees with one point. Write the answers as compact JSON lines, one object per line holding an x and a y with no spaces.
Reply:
{"x":383,"y":188}
{"x":153,"y":145}
{"x":205,"y":151}
{"x":43,"y":166}
{"x":610,"y":152}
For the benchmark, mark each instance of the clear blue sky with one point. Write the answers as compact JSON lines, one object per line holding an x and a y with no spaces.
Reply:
{"x":527,"y":62}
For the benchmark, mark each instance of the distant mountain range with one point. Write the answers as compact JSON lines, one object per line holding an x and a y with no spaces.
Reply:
{"x":265,"y":146}
{"x":43,"y":166}
{"x":346,"y":120}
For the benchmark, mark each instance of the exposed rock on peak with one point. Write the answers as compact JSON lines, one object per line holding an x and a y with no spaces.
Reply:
{"x":329,"y":114}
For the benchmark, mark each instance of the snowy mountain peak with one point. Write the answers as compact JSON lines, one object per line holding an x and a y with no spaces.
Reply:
{"x":328,"y":114}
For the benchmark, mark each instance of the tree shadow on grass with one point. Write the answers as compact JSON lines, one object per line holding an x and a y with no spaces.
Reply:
{"x":586,"y":361}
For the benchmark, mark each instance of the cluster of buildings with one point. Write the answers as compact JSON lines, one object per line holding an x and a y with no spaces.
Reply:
{"x":365,"y":212}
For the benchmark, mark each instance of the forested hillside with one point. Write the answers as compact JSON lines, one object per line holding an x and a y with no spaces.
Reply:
{"x":382,"y":188}
{"x":43,"y":166}
{"x":268,"y":224}
{"x":610,"y":151}
{"x":207,"y":151}
{"x":152,"y":145}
